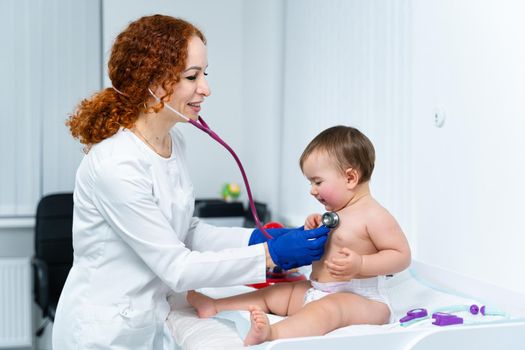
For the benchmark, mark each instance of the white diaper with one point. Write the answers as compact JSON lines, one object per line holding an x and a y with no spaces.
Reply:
{"x":371,"y":288}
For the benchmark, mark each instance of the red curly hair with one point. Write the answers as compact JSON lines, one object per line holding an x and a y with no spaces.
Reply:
{"x":151,"y":51}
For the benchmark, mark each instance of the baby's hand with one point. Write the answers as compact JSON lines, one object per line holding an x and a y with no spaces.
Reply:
{"x":312,"y":221}
{"x":346,"y":266}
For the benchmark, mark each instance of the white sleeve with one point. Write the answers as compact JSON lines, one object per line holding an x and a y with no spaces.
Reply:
{"x":123,"y":195}
{"x":205,"y":237}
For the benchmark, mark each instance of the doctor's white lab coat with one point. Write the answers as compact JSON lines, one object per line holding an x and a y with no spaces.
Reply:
{"x":135,"y":242}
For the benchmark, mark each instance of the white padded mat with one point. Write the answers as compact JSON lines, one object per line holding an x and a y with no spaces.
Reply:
{"x":226,"y":331}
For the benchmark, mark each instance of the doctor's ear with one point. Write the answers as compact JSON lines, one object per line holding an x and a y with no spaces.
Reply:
{"x":352,"y":178}
{"x":157,"y":92}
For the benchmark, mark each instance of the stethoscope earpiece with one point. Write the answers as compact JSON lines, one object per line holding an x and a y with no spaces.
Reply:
{"x":330,"y":219}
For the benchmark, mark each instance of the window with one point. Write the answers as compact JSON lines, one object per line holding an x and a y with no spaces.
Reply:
{"x":50,"y":60}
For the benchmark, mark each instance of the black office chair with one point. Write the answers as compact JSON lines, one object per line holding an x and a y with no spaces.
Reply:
{"x":263,"y":213}
{"x":214,"y":208}
{"x":53,"y":252}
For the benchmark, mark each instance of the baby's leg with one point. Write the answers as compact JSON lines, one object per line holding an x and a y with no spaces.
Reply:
{"x":329,"y":313}
{"x":280,"y":299}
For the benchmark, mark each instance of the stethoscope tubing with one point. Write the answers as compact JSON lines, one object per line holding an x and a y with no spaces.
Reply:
{"x":202,"y":125}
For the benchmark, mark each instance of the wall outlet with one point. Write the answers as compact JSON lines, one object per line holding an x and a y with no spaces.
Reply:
{"x":439,"y":117}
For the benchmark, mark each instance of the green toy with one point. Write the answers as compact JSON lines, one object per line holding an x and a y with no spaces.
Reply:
{"x":230,"y":191}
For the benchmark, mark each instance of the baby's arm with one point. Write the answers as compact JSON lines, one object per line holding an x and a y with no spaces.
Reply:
{"x":312,"y":221}
{"x":346,"y":266}
{"x":393,"y":250}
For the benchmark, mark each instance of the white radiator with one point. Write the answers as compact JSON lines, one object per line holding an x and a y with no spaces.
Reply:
{"x":15,"y":302}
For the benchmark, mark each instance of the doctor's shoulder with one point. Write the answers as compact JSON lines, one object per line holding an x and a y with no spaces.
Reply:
{"x":124,"y":144}
{"x":117,"y":158}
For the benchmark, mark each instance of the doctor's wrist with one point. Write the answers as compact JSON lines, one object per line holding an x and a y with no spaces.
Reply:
{"x":270,"y":264}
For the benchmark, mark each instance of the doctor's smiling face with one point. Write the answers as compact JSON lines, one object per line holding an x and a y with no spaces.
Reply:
{"x":192,"y":88}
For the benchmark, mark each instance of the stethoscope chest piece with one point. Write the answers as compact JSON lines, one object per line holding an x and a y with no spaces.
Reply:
{"x":330,"y":219}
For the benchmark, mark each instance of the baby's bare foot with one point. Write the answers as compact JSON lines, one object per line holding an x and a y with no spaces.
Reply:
{"x":260,"y":329}
{"x":204,"y":305}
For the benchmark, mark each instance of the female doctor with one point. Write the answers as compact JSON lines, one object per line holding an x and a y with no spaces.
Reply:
{"x":134,"y":238}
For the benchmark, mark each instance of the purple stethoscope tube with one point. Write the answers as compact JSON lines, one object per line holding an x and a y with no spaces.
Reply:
{"x":201,"y":124}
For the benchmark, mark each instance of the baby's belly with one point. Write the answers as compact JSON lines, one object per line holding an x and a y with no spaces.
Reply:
{"x":320,"y":272}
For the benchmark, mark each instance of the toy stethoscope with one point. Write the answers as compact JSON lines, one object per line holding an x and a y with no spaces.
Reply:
{"x":444,"y":316}
{"x":329,"y":219}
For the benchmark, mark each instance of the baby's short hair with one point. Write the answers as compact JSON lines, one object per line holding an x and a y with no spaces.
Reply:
{"x":349,"y":148}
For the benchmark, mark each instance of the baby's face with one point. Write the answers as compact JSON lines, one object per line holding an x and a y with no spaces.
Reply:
{"x":328,"y":183}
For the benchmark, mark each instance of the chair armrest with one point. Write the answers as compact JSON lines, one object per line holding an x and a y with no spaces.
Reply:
{"x":41,"y":283}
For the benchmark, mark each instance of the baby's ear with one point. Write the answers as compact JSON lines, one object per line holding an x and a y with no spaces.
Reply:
{"x":352,"y":177}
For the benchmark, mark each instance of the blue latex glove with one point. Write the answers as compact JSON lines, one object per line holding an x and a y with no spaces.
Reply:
{"x":298,"y":247}
{"x":259,"y":237}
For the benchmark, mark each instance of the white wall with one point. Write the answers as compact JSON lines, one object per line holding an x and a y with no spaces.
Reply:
{"x":19,"y":129}
{"x":347,"y":62}
{"x":49,"y":61}
{"x":468,"y":58}
{"x":69,"y":69}
{"x":385,"y":67}
{"x":262,"y":99}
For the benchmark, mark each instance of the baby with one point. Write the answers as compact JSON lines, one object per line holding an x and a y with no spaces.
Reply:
{"x":346,"y":286}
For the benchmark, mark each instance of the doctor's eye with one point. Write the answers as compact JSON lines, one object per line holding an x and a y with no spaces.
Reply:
{"x":194,"y":77}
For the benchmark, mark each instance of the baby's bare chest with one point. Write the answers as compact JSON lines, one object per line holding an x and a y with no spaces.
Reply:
{"x":353,"y":235}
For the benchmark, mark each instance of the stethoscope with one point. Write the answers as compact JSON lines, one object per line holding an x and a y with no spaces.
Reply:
{"x":329,"y":219}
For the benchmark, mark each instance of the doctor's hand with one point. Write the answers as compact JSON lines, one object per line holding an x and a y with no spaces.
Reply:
{"x":258,"y":237}
{"x":345,"y":266}
{"x":298,"y":247}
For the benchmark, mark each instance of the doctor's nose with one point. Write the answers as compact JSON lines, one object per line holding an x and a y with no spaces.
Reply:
{"x":203,"y":88}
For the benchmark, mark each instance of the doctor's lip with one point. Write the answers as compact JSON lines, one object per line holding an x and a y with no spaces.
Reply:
{"x":196,"y":106}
